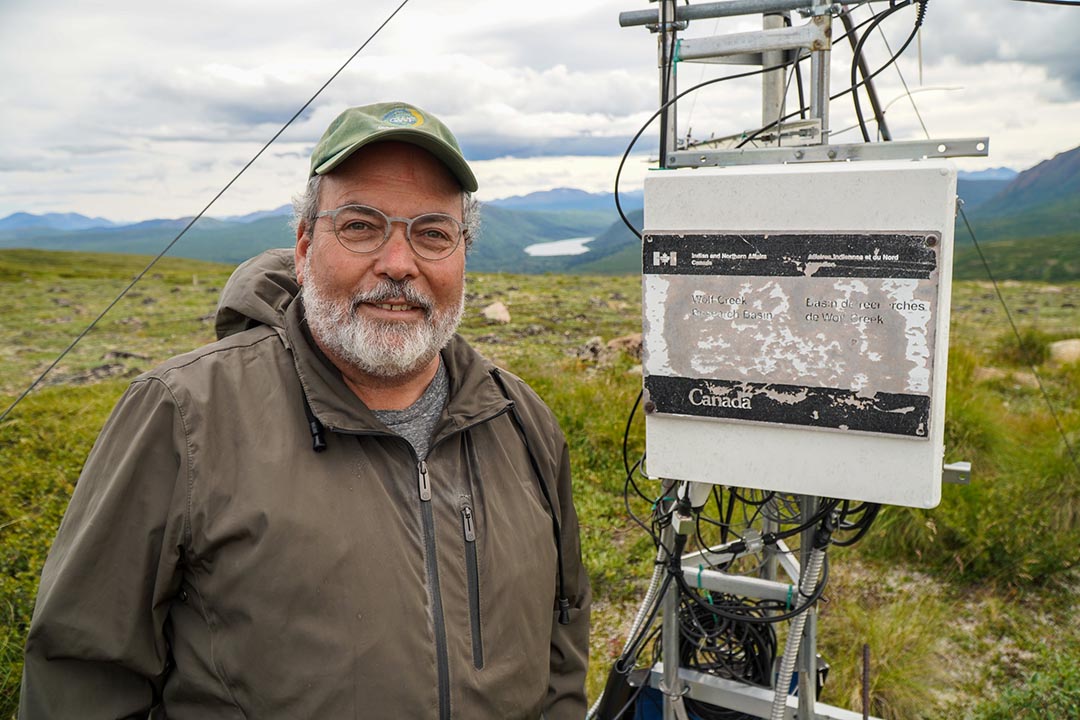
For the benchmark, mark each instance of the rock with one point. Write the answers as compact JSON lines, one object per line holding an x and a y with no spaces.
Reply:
{"x":94,"y":374}
{"x":1025,"y":379}
{"x":122,"y":355}
{"x":593,"y":349}
{"x":987,"y":374}
{"x":497,"y":312}
{"x":1018,"y":378}
{"x":629,"y":344}
{"x":1065,"y":351}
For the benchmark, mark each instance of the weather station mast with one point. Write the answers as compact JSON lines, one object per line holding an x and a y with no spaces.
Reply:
{"x":795,"y":339}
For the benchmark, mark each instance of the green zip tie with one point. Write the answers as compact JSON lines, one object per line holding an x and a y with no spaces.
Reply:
{"x":675,"y":55}
{"x":790,"y":592}
{"x":708,"y":595}
{"x":668,"y":499}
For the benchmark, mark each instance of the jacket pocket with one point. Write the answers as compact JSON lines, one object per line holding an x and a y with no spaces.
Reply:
{"x":469,"y":532}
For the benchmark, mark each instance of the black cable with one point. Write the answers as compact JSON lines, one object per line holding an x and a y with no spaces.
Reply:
{"x":202,"y":212}
{"x":626,"y":432}
{"x":675,"y":571}
{"x":664,"y":106}
{"x":853,"y":88}
{"x":626,"y":503}
{"x":1020,"y":342}
{"x":920,"y":15}
{"x":856,"y":56}
{"x":736,"y":76}
{"x":868,"y":513}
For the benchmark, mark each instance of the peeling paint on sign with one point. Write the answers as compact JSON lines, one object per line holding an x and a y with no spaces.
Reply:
{"x":785,"y":317}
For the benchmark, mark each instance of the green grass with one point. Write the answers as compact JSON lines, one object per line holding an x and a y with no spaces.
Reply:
{"x":1051,"y":691}
{"x":956,"y":602}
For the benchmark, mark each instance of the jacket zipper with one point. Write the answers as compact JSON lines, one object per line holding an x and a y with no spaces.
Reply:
{"x":469,"y":531}
{"x":432,"y":565}
{"x":431,"y":562}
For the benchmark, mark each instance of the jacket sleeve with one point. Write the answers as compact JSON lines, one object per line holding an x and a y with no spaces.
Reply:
{"x":96,"y":646}
{"x":569,"y":643}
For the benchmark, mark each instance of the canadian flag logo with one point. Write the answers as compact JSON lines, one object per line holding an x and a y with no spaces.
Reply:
{"x":665,"y":258}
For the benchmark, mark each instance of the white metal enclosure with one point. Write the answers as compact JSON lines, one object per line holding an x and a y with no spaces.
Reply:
{"x":796,"y":326}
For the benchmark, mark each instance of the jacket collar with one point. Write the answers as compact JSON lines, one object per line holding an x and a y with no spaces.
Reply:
{"x":474,"y":395}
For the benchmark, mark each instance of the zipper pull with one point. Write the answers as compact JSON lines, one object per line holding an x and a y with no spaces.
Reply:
{"x":424,"y":482}
{"x":467,"y":523}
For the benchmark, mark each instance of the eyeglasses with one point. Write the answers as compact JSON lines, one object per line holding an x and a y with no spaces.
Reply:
{"x":362,"y":229}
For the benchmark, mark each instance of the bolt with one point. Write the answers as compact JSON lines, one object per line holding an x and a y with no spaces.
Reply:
{"x":650,"y":406}
{"x":799,"y":154}
{"x":832,"y":154}
{"x":931,"y":241}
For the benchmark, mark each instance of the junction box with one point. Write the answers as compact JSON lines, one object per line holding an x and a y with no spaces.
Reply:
{"x":796,"y":324}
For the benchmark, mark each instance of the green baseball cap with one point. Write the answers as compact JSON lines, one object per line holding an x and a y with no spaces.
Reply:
{"x":360,"y":126}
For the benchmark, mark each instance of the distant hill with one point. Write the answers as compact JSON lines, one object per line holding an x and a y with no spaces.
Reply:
{"x":1029,"y":221}
{"x":569,"y":199}
{"x":1048,"y":183}
{"x":615,"y":251}
{"x":52,"y":221}
{"x":284,"y":210}
{"x":998,"y":173}
{"x":976,"y":192}
{"x":1043,"y":201}
{"x":504,"y":235}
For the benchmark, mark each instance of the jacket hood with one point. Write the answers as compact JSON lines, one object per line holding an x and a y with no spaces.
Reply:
{"x":257,"y":293}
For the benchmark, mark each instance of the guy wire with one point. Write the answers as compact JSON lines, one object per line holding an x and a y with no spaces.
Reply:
{"x":202,"y":212}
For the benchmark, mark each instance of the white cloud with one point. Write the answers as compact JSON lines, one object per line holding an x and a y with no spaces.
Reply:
{"x":131,"y":110}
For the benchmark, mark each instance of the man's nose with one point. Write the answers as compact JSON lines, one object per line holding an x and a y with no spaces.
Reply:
{"x":396,"y":258}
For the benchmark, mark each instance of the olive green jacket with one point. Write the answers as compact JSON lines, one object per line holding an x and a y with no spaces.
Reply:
{"x":212,"y":565}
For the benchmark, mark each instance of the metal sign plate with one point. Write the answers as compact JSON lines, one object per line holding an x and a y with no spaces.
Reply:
{"x":820,"y":330}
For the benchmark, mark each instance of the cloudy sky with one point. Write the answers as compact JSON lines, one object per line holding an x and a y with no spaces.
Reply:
{"x":131,"y":110}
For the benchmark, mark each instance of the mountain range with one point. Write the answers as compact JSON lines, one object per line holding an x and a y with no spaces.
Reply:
{"x":1017,"y":216}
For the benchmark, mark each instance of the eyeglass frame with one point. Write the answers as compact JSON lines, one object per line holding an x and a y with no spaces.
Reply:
{"x":390,"y":220}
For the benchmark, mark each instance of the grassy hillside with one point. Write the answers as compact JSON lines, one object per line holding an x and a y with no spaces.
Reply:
{"x":969,"y":608}
{"x":1051,"y":259}
{"x":504,"y":235}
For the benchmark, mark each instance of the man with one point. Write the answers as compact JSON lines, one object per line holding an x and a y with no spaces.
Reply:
{"x":337,"y":510}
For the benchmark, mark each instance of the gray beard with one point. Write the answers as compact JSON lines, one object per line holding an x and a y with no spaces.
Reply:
{"x":383,"y":349}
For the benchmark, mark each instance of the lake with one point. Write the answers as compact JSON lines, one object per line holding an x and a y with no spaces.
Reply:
{"x":570,"y":246}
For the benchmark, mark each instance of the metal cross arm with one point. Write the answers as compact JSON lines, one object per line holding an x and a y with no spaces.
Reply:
{"x":814,"y":35}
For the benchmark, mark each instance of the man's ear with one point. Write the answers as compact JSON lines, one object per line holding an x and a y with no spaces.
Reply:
{"x":303,"y":247}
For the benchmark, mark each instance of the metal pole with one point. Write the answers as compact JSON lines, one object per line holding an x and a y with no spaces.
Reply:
{"x":819,"y":85}
{"x":704,"y":11}
{"x":808,"y":648}
{"x":666,"y":50}
{"x":669,"y":635}
{"x":772,"y":82}
{"x":871,"y":91}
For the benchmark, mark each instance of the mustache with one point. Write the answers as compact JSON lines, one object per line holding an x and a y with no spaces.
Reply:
{"x":390,"y":289}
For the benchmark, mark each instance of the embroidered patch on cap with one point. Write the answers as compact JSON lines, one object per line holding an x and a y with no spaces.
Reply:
{"x":403,"y":117}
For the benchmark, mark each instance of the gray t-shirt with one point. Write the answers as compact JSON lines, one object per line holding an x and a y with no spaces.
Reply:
{"x":416,"y":422}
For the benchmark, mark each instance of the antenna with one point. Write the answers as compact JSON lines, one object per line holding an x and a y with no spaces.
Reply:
{"x":795,"y":325}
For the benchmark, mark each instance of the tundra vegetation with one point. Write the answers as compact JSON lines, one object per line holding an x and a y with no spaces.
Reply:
{"x":969,"y":609}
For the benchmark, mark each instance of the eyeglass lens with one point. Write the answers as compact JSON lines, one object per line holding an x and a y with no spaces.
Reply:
{"x":364,"y":229}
